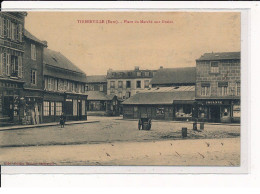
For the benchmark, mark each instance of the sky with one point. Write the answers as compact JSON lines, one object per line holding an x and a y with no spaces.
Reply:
{"x":96,"y":47}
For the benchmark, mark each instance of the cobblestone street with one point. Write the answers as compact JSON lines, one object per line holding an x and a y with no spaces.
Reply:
{"x":110,"y":129}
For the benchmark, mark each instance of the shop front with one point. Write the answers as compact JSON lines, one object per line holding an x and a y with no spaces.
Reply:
{"x":223,"y":111}
{"x":183,"y":110}
{"x":10,"y":102}
{"x":75,"y":106}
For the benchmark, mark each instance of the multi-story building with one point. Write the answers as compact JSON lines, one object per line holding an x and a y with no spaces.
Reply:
{"x":33,"y":77}
{"x":96,"y":83}
{"x":125,"y":84}
{"x":218,"y":87}
{"x":172,"y":96}
{"x":64,"y":85}
{"x":11,"y":65}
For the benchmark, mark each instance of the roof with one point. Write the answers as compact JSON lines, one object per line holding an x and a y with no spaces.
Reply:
{"x":168,"y":96}
{"x":58,"y":60}
{"x":175,"y":76}
{"x":96,"y":95}
{"x":28,"y":35}
{"x":219,"y":56}
{"x":96,"y":79}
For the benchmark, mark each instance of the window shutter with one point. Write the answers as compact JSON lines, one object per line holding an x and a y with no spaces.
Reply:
{"x":20,"y":33}
{"x":5,"y":27}
{"x":20,"y":67}
{"x":8,"y":60}
{"x":1,"y":64}
{"x":1,"y":27}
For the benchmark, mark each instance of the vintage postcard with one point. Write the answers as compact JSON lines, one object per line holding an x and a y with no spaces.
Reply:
{"x":124,"y":88}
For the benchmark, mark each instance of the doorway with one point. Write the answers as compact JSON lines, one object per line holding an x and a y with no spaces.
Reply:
{"x":215,"y":113}
{"x":8,"y":109}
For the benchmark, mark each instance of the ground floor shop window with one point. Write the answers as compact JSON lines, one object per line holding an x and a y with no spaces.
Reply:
{"x":83,"y":107}
{"x":236,"y":110}
{"x":183,"y":110}
{"x":52,"y":108}
{"x":225,"y":111}
{"x":46,"y":108}
{"x":160,"y":111}
{"x":74,"y":107}
{"x":203,"y":112}
{"x":58,"y":108}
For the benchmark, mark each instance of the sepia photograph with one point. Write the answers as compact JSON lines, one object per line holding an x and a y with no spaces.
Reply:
{"x":122,"y":88}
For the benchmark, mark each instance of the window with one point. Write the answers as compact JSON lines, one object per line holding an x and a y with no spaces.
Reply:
{"x":214,"y":68}
{"x":112,"y":90}
{"x":33,"y":52}
{"x":138,"y":84}
{"x":119,"y":94}
{"x":138,"y":74}
{"x":238,"y":88}
{"x":86,"y":88}
{"x":146,"y":83}
{"x":128,"y":84}
{"x":120,"y":84}
{"x":46,"y":108}
{"x":46,"y":83}
{"x":128,"y":94}
{"x":52,"y":108}
{"x":146,"y":73}
{"x":112,"y":84}
{"x":1,"y":62}
{"x":15,"y":66}
{"x":223,"y":88}
{"x":101,"y":88}
{"x":83,"y":88}
{"x":13,"y":33}
{"x":205,"y":89}
{"x":58,"y":108}
{"x":33,"y":77}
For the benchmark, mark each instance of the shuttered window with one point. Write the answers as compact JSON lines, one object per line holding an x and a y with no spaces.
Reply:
{"x":8,"y":64}
{"x":20,"y":67}
{"x":33,"y":52}
{"x":1,"y":63}
{"x":20,"y":32}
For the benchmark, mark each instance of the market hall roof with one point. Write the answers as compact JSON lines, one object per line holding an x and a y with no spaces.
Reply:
{"x":28,"y":35}
{"x":219,"y":56}
{"x":96,"y":79}
{"x":97,"y":95}
{"x":167,"y":95}
{"x":185,"y":75}
{"x":57,"y":65}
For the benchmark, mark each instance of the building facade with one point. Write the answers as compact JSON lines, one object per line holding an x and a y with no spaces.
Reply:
{"x":64,"y":88}
{"x":96,"y":83}
{"x":101,"y":104}
{"x":218,"y":87}
{"x":165,"y":103}
{"x":11,"y":66}
{"x":32,"y":94}
{"x":125,"y":84}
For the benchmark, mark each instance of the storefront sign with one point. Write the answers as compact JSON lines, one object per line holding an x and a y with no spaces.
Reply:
{"x":214,"y":102}
{"x":68,"y":100}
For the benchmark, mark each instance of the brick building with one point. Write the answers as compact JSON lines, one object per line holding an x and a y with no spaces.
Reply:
{"x":96,"y":83}
{"x":11,"y":66}
{"x":64,"y":85}
{"x":218,"y":87}
{"x":33,"y":77}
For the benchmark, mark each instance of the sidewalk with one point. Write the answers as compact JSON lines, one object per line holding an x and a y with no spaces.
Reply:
{"x":190,"y":122}
{"x":46,"y":125}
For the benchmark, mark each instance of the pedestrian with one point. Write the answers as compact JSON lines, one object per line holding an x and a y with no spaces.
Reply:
{"x":62,"y":120}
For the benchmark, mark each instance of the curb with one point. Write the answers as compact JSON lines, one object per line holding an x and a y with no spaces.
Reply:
{"x":43,"y":125}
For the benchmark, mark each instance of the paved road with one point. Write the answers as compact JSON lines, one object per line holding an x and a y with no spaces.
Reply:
{"x":109,"y":129}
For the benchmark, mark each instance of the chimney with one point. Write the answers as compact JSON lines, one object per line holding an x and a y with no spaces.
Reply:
{"x":161,"y":67}
{"x":45,"y":43}
{"x":136,"y":68}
